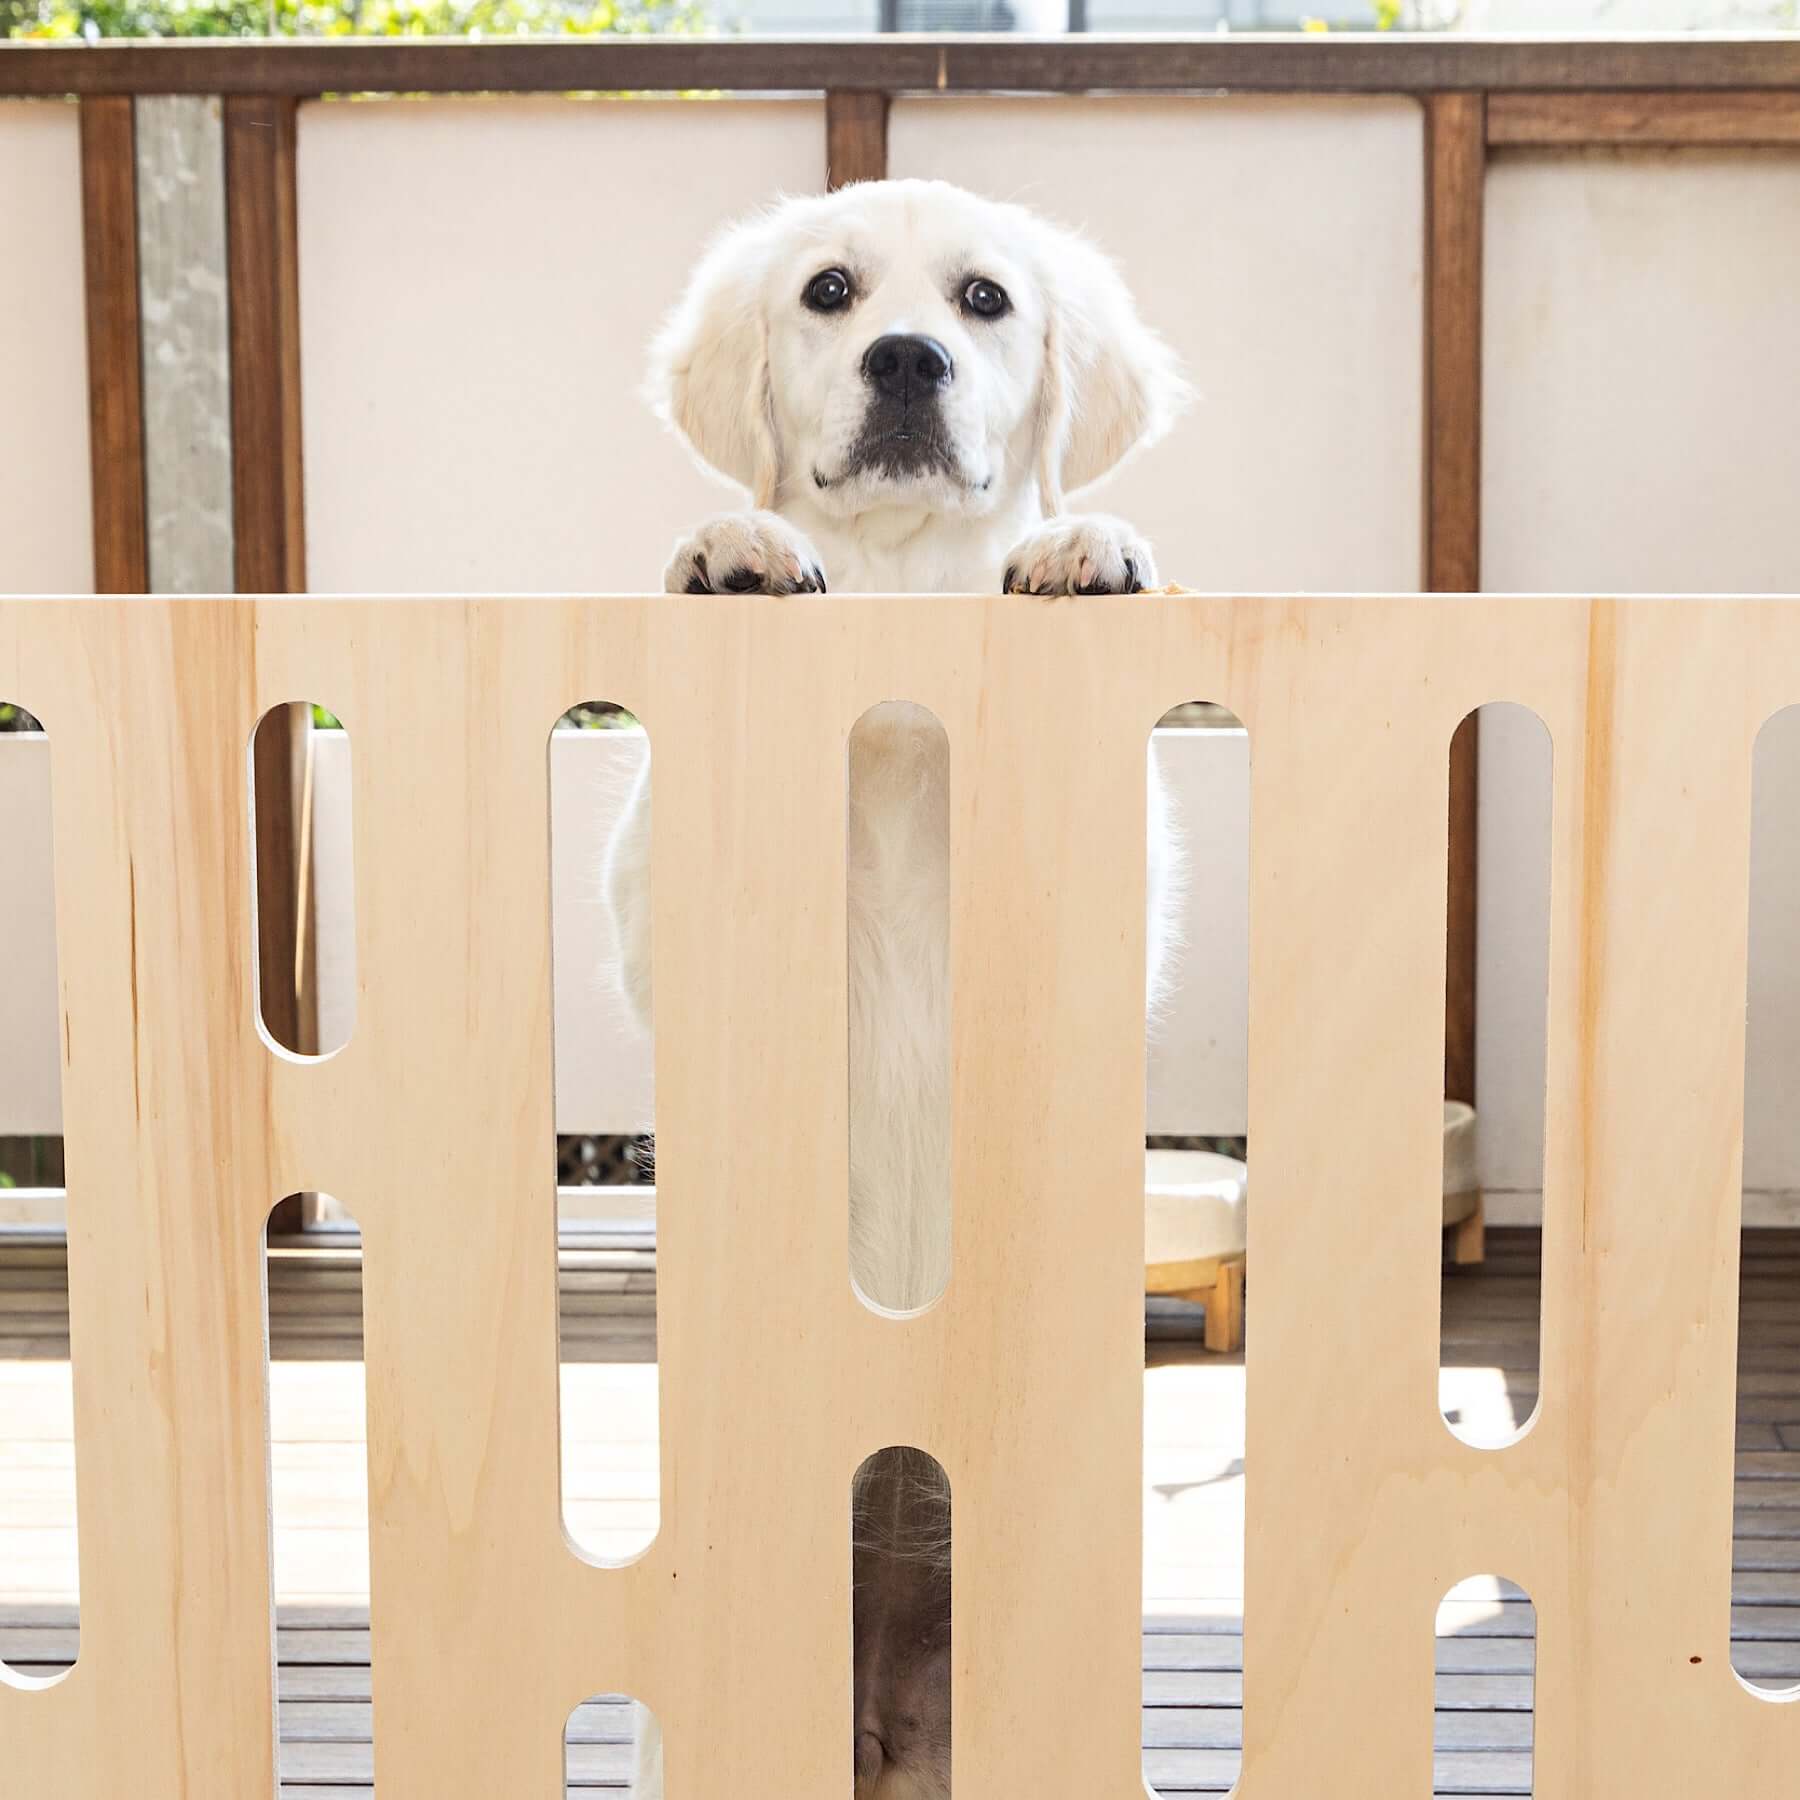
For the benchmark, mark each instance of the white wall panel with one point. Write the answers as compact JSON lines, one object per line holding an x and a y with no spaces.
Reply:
{"x":30,"y":1044}
{"x":479,"y":281}
{"x":1641,"y":433}
{"x":1277,"y":244}
{"x":46,"y":546}
{"x":46,"y":509}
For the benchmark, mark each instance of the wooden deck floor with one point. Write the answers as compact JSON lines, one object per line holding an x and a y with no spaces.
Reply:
{"x":1194,"y":1485}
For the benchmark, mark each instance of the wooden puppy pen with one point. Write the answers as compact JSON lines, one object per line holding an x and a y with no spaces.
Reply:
{"x":184,"y":1126}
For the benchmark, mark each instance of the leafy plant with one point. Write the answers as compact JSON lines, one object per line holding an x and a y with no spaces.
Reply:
{"x":346,"y":18}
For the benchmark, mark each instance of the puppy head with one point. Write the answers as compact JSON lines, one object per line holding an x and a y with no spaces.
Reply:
{"x":909,"y":344}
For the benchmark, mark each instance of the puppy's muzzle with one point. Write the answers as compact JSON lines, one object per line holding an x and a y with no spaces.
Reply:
{"x":903,"y":434}
{"x":906,"y":367}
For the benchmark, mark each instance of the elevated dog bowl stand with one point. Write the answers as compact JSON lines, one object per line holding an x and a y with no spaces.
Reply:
{"x":1465,"y":1218}
{"x":1195,"y":1236}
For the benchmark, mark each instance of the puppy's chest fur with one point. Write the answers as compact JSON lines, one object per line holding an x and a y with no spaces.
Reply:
{"x":938,"y":556}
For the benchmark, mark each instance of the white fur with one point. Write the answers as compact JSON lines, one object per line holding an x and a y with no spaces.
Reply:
{"x":772,"y":396}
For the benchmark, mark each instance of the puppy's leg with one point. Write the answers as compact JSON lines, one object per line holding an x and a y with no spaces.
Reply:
{"x":626,"y":886}
{"x":1084,"y":553}
{"x":745,"y":553}
{"x":1166,"y":890}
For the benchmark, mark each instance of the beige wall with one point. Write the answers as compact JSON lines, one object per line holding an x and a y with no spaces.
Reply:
{"x":1277,"y":245}
{"x":46,"y":530}
{"x":46,"y":546}
{"x":1641,"y":434}
{"x":479,"y":280}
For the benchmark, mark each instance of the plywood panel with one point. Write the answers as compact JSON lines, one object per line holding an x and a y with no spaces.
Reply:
{"x":604,"y":1081}
{"x":486,"y":1627}
{"x":46,"y":534}
{"x":1639,"y":434}
{"x":1278,"y":244}
{"x":480,"y":280}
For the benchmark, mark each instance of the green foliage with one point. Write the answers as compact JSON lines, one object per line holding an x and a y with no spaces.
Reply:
{"x":345,"y":18}
{"x":597,"y":715}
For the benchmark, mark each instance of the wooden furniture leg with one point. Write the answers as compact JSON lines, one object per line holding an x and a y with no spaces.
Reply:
{"x":1468,"y":1244}
{"x":1224,"y":1303}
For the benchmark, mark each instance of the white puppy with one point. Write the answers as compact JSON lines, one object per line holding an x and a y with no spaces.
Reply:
{"x":906,"y":378}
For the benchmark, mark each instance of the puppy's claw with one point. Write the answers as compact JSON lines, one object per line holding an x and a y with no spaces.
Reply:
{"x":745,"y":553}
{"x":1084,"y":555}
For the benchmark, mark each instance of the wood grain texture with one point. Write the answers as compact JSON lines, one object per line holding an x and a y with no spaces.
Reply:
{"x":487,"y":1629}
{"x":268,"y":522}
{"x":264,"y":263}
{"x":1462,"y":889}
{"x":115,"y":348}
{"x":1455,"y":173}
{"x":966,"y":63}
{"x":279,"y":744}
{"x":1744,"y":119}
{"x":856,"y":126}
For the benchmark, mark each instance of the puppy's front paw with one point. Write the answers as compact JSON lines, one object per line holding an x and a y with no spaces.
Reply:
{"x":1088,"y":554}
{"x":745,"y":553}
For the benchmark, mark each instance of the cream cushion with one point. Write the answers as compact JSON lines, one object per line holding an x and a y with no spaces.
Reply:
{"x":1194,"y":1201}
{"x":1462,"y":1186}
{"x":1193,"y":1206}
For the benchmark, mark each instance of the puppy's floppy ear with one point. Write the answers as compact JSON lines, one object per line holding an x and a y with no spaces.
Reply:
{"x":709,"y":364}
{"x":1111,"y":385}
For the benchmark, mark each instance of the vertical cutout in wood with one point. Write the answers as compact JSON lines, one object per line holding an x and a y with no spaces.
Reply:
{"x":1768,"y":1426}
{"x":613,"y":1742}
{"x":1486,"y":1689}
{"x":1489,"y":1342}
{"x":603,"y":1048}
{"x":898,"y":898}
{"x":40,"y":1576}
{"x":319,"y":1490}
{"x":901,"y":1582}
{"x":1195,"y":1191}
{"x":304,"y":882}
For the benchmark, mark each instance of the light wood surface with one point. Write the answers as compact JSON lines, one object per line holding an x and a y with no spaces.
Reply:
{"x":1193,"y":1499}
{"x":487,"y":1629}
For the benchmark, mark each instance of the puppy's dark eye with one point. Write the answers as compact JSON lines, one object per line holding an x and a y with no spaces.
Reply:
{"x":986,"y":299}
{"x":828,"y":291}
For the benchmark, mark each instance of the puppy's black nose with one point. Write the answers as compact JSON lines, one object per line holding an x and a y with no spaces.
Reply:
{"x":906,"y":366}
